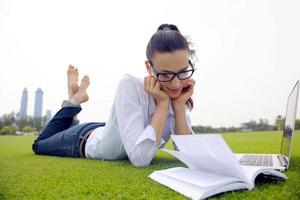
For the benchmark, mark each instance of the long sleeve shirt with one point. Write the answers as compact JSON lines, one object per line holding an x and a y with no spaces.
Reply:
{"x":128,"y":132}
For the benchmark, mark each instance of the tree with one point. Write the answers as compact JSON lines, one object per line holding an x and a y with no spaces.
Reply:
{"x":232,"y":129}
{"x":28,"y":129}
{"x":203,"y":129}
{"x":263,"y":125}
{"x":249,"y":125}
{"x":38,"y":123}
{"x":7,"y":130}
{"x":1,"y":122}
{"x":22,"y":123}
{"x":279,"y":123}
{"x":8,"y":119}
{"x":297,"y":124}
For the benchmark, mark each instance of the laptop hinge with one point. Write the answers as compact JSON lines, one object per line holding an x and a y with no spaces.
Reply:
{"x":282,"y":160}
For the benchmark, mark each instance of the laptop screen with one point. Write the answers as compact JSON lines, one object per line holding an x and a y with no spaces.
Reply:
{"x":291,"y":112}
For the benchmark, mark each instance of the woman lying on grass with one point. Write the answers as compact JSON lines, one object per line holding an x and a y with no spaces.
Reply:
{"x":143,"y":115}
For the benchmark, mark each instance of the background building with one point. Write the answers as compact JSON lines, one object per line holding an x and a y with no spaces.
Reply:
{"x":24,"y":104}
{"x":38,"y":106}
{"x":38,"y":103}
{"x":48,"y":117}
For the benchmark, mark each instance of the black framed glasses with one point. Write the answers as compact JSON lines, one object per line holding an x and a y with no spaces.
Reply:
{"x":169,"y":76}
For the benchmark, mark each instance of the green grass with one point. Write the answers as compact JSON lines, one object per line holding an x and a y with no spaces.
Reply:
{"x":24,"y":175}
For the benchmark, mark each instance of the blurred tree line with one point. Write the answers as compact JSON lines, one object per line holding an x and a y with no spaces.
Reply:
{"x":9,"y":124}
{"x":252,"y":125}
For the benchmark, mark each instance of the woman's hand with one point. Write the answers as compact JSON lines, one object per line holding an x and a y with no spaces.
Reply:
{"x":186,"y":93}
{"x":153,"y":87}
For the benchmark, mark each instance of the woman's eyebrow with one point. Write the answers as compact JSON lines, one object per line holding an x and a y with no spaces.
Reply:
{"x":167,"y":71}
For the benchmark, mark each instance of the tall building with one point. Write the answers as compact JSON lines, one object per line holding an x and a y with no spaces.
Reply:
{"x":47,"y":117}
{"x":24,"y":104}
{"x":38,"y":103}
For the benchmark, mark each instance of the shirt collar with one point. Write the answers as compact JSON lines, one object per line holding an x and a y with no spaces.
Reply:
{"x":152,"y":106}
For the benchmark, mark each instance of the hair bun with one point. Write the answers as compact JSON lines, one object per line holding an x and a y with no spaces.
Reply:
{"x":164,"y":27}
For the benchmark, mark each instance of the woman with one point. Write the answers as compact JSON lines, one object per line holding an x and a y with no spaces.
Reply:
{"x":143,"y":115}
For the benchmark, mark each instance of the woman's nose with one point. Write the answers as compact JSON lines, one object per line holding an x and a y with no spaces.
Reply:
{"x":175,"y":83}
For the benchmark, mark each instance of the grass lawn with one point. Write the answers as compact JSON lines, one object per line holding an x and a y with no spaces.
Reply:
{"x":24,"y":175}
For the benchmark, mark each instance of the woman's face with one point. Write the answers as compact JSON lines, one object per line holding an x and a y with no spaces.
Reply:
{"x":170,"y":62}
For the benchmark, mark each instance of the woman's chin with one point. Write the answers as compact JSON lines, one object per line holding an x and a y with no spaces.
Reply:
{"x":173,"y":95}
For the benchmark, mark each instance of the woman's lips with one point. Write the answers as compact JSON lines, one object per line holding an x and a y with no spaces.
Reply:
{"x":173,"y":91}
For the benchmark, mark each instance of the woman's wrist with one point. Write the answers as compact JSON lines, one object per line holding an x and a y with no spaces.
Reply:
{"x":163,"y":103}
{"x":158,"y":119}
{"x":181,"y":126}
{"x":178,"y":107}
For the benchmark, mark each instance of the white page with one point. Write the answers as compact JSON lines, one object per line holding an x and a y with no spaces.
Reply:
{"x":197,"y":177}
{"x":207,"y":152}
{"x":188,"y":183}
{"x":188,"y":190}
{"x":253,"y":171}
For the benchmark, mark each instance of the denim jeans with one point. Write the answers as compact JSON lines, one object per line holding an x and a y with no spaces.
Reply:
{"x":61,"y":137}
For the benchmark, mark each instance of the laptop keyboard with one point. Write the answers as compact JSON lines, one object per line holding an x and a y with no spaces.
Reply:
{"x":256,"y":160}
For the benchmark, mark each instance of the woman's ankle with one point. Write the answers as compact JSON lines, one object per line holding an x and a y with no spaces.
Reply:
{"x":67,"y":103}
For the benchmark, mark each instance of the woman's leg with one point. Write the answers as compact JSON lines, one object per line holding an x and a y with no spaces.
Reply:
{"x":64,"y":143}
{"x":63,"y":118}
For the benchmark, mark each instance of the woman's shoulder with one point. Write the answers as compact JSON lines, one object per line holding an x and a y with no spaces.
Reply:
{"x":130,"y":77}
{"x":129,"y":80}
{"x":132,"y":86}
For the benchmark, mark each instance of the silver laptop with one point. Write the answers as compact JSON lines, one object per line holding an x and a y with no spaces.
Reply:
{"x":278,"y":161}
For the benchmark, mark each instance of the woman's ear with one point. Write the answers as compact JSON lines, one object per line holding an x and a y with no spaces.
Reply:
{"x":148,"y":67}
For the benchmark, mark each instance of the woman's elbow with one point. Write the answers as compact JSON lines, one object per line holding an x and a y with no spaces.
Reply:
{"x":140,"y":162}
{"x":142,"y":157}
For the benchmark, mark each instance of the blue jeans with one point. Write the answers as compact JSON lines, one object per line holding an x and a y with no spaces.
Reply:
{"x":60,"y":137}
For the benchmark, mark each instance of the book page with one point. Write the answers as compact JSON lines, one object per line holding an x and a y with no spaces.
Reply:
{"x":184,"y":188}
{"x":194,"y":183}
{"x":209,"y":153}
{"x":197,"y":177}
{"x":253,"y":171}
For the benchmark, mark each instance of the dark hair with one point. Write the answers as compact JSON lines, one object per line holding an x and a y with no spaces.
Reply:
{"x":168,"y":39}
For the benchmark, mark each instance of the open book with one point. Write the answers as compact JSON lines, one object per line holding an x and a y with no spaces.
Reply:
{"x":212,"y":168}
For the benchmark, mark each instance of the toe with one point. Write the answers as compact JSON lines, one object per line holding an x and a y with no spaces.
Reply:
{"x":85,"y":81}
{"x":71,"y":67}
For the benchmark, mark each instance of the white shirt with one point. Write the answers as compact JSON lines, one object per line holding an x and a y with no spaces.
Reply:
{"x":128,"y":133}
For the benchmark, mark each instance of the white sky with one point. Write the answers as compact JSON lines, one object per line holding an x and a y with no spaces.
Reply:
{"x":248,"y":52}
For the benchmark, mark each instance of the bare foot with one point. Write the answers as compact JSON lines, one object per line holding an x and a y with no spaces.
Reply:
{"x":72,"y":80}
{"x":81,"y":95}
